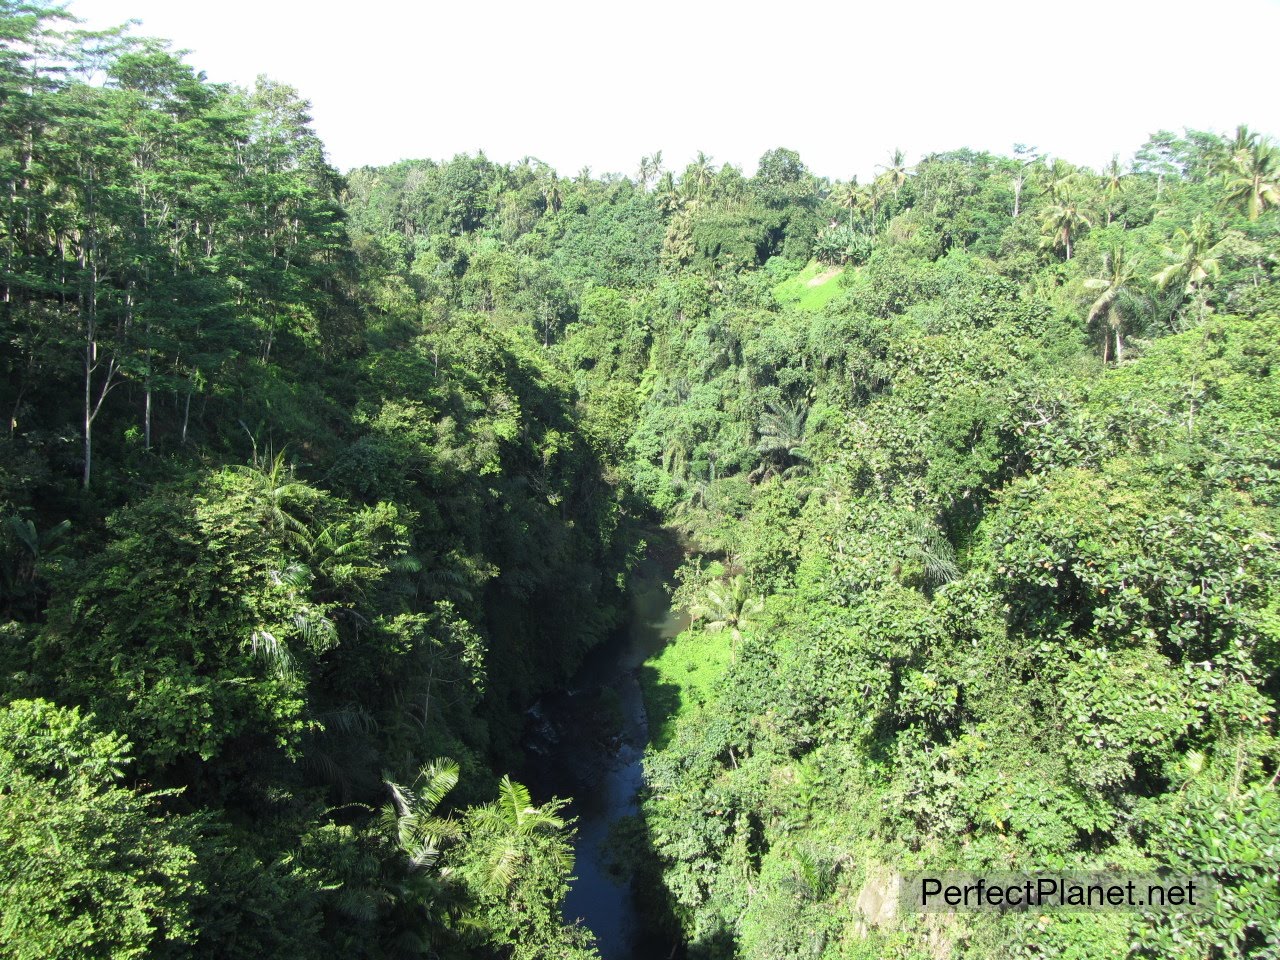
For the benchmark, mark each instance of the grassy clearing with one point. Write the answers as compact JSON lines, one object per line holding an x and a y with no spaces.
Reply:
{"x":678,"y":681}
{"x":796,"y":291}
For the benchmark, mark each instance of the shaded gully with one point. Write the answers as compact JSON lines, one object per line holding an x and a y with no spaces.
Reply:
{"x":588,"y":743}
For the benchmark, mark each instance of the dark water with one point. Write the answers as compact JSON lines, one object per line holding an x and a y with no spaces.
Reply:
{"x":588,"y":743}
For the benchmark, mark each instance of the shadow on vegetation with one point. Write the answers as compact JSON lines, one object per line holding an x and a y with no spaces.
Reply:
{"x":588,"y":742}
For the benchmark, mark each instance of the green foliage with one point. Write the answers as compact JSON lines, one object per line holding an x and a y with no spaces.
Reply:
{"x":811,"y":289}
{"x":91,"y":867}
{"x":516,"y":862}
{"x":840,"y":245}
{"x":1016,"y":600}
{"x":310,"y":479}
{"x":681,"y":679}
{"x":1230,"y":834}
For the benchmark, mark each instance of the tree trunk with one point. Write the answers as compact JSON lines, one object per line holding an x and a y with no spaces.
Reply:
{"x":186,"y":411}
{"x":88,"y":415}
{"x":90,"y":305}
{"x":146,"y":376}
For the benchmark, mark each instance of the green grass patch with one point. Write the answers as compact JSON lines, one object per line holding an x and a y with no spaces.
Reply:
{"x":798,"y":292}
{"x":678,"y":681}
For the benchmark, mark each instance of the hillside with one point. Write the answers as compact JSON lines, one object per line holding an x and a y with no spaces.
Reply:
{"x":317,"y":486}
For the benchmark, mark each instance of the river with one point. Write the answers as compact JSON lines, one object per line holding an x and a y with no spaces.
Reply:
{"x":588,"y":743}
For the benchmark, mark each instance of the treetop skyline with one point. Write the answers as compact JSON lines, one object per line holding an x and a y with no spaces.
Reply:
{"x":576,"y":85}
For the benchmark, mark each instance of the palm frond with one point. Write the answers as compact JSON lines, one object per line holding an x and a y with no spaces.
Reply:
{"x":264,"y":645}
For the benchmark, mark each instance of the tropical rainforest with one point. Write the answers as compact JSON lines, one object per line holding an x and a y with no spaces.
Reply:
{"x":312,"y":484}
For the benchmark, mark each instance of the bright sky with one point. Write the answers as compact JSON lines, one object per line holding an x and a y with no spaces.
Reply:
{"x":601,"y":83}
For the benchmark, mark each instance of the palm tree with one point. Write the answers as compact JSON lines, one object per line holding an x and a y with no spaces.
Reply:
{"x":895,"y":174}
{"x":697,"y":496}
{"x":512,"y":823}
{"x":552,"y":192}
{"x":1061,"y":224}
{"x":18,"y":568}
{"x":929,"y":547}
{"x":650,"y":169}
{"x":1244,"y":139}
{"x":1115,"y":298}
{"x":410,"y":816}
{"x":1256,"y":184}
{"x":729,"y":605}
{"x":1114,"y":184}
{"x":670,"y":200}
{"x":1219,"y":154}
{"x":1059,"y":175}
{"x":1196,"y":262}
{"x":848,"y":196}
{"x":278,"y":497}
{"x":698,"y":176}
{"x":411,"y":823}
{"x":782,"y":434}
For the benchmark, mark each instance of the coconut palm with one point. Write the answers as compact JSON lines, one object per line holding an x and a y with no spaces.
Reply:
{"x":278,"y":499}
{"x":1244,"y":139}
{"x":848,"y":196}
{"x":895,"y":172}
{"x":670,"y":199}
{"x":1059,"y":176}
{"x":1217,"y":155}
{"x":729,"y":605}
{"x":1196,"y":262}
{"x":698,"y":176}
{"x":1256,"y":183}
{"x":1114,"y":184}
{"x":1115,"y":300}
{"x":1062,"y":222}
{"x":511,"y":826}
{"x":650,"y":170}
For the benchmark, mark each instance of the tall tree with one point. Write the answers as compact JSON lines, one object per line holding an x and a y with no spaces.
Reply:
{"x":1255,"y":185}
{"x":1114,"y":185}
{"x":698,"y":177}
{"x":1116,"y":301}
{"x":1024,"y":158}
{"x":849,"y":197}
{"x":1063,"y":222}
{"x":650,"y":170}
{"x":1196,"y":262}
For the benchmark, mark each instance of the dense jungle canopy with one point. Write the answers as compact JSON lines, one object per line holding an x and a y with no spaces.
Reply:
{"x":311,"y":484}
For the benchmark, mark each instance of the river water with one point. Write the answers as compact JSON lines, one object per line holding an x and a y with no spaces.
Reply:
{"x":588,"y":743}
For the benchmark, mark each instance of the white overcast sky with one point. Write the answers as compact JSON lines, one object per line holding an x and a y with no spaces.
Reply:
{"x":601,"y":83}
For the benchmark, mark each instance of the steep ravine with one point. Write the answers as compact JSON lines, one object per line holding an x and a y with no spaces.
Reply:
{"x":588,"y":743}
